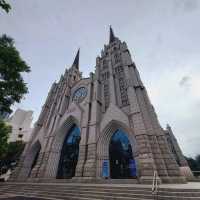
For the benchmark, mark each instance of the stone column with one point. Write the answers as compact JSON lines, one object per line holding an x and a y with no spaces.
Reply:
{"x":51,"y":157}
{"x":112,"y":85}
{"x":90,"y":162}
{"x":43,"y":161}
{"x":82,"y":153}
{"x":145,"y":156}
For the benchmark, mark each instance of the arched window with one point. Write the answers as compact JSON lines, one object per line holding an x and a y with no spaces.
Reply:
{"x":122,"y":163}
{"x":69,"y":154}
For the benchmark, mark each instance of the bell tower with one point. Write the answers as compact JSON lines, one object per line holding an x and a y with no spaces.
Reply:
{"x":122,"y":90}
{"x":73,"y":74}
{"x":117,"y":72}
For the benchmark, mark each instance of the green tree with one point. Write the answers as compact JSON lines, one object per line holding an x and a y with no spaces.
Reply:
{"x":12,"y":85}
{"x":4,"y":134}
{"x":5,"y":6}
{"x":14,"y":151}
{"x":11,"y":155}
{"x":194,"y":164}
{"x":197,"y":158}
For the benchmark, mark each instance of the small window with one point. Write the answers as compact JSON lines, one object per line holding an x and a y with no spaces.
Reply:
{"x":20,"y":129}
{"x":20,"y":136}
{"x":105,"y":64}
{"x":117,"y":58}
{"x":105,"y":76}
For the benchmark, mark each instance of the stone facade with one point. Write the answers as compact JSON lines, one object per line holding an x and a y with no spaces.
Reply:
{"x":178,"y":155}
{"x":116,"y":99}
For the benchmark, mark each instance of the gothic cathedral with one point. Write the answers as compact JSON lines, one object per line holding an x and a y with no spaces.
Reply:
{"x":101,"y":128}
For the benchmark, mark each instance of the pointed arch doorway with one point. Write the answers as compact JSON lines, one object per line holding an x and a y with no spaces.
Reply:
{"x":122,"y":163}
{"x":69,"y":154}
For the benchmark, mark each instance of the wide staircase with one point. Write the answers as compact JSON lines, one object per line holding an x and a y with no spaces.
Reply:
{"x":83,"y":191}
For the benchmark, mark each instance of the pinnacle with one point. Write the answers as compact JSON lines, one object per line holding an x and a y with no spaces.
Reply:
{"x":112,"y":35}
{"x":76,"y":60}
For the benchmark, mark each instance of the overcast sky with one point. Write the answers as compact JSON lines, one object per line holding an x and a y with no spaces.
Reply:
{"x":163,"y":38}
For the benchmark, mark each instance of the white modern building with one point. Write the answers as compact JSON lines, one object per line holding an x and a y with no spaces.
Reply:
{"x":21,"y":125}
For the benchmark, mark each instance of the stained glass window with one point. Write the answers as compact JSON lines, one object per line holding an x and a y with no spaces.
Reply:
{"x":80,"y":94}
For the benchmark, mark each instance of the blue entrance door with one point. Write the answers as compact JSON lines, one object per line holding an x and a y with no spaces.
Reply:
{"x":122,"y":163}
{"x":69,"y":154}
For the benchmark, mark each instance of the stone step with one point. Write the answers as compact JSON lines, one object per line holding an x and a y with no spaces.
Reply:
{"x":94,"y":181}
{"x":176,"y":198}
{"x":118,"y":189}
{"x":73,"y":196}
{"x":134,"y":193}
{"x":49,"y":198}
{"x":95,"y":196}
{"x":179,"y":194}
{"x":88,"y":193}
{"x":179,"y":189}
{"x":95,"y":191}
{"x":112,"y":189}
{"x":79,"y":190}
{"x":104,"y":196}
{"x":79,"y":185}
{"x":113,"y":186}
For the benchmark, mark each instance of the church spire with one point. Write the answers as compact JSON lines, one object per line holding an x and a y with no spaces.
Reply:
{"x":76,"y":60}
{"x":112,"y":36}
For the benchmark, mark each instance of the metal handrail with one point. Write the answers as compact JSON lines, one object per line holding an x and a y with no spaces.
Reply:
{"x":155,"y":185}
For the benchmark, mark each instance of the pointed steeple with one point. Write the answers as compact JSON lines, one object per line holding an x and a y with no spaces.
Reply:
{"x":76,"y":60}
{"x":112,"y":36}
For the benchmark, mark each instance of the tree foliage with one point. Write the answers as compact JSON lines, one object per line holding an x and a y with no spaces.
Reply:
{"x":12,"y":155}
{"x":5,"y":6}
{"x":4,"y":134}
{"x":14,"y":151}
{"x":194,"y":164}
{"x":12,"y":85}
{"x":198,"y":158}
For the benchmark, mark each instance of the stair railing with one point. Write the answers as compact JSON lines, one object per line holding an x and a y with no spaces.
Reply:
{"x":155,"y":185}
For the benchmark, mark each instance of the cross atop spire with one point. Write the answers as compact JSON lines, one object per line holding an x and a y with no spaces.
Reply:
{"x":76,"y":60}
{"x":112,"y":36}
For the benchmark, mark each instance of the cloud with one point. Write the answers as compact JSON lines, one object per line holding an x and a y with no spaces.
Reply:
{"x":186,"y":5}
{"x":190,"y":5}
{"x":162,"y":36}
{"x":185,"y":81}
{"x":177,"y":101}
